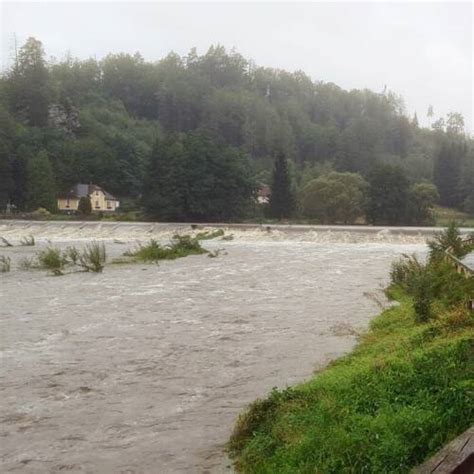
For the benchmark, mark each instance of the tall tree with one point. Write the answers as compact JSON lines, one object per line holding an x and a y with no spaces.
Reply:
{"x":30,"y":89}
{"x":192,"y":177}
{"x":388,"y":196}
{"x":282,"y":199}
{"x":6,"y":177}
{"x":447,"y":171}
{"x":164,"y":186}
{"x":41,"y":185}
{"x":335,"y":198}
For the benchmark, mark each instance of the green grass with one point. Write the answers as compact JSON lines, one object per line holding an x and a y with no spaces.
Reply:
{"x":52,"y":259}
{"x":92,"y":258}
{"x":180,"y":246}
{"x":405,"y":391}
{"x":445,"y":215}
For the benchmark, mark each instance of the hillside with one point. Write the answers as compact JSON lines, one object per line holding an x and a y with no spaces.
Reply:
{"x":98,"y":121}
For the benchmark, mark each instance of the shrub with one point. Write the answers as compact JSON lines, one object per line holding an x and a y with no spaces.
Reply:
{"x":422,"y":289}
{"x":28,"y":241}
{"x":451,"y":239}
{"x":72,"y":254}
{"x":4,"y":264}
{"x":180,"y":246}
{"x":93,"y":257}
{"x":41,"y":213}
{"x":53,"y":260}
{"x":405,"y":269}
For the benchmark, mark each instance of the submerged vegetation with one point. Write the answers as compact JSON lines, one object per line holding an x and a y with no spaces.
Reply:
{"x":398,"y":397}
{"x":28,"y":241}
{"x":5,"y":264}
{"x":92,"y":258}
{"x":180,"y":246}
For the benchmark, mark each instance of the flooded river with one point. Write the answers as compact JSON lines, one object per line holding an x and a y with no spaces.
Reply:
{"x":144,"y":368}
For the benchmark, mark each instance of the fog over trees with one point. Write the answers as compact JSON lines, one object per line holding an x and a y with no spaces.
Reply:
{"x":193,"y":137}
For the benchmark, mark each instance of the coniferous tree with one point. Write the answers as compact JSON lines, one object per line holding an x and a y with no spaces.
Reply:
{"x":85,"y":206}
{"x":282,"y":200}
{"x":41,"y":185}
{"x":30,"y":90}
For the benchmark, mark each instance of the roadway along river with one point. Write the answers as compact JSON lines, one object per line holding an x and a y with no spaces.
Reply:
{"x":144,"y":368}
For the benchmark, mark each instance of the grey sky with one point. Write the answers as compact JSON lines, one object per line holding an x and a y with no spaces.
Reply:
{"x":420,"y":50}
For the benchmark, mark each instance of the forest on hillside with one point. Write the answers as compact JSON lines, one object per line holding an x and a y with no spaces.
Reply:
{"x":194,"y":137}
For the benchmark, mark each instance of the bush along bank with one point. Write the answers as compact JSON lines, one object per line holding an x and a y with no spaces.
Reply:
{"x":406,"y":390}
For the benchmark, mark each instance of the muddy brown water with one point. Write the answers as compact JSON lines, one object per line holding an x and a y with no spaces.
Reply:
{"x":144,"y":368}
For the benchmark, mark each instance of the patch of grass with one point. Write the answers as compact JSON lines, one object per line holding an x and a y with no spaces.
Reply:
{"x":444,"y":215}
{"x":5,"y":264}
{"x":180,"y":246}
{"x":405,"y":391}
{"x":28,"y":241}
{"x":53,"y":260}
{"x":93,"y":257}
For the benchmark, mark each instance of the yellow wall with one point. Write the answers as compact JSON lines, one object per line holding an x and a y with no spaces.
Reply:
{"x":68,"y":204}
{"x":98,"y":202}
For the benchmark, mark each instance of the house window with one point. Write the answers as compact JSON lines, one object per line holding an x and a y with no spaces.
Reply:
{"x":97,"y":206}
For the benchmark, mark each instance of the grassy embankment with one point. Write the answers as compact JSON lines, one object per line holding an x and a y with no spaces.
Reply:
{"x":406,"y":390}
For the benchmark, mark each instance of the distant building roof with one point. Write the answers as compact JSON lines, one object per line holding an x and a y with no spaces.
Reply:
{"x":84,"y":190}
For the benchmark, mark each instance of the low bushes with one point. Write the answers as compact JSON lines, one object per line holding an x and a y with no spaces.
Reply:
{"x":180,"y":246}
{"x":91,"y":259}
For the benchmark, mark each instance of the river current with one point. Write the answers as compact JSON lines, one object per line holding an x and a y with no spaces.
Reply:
{"x":144,"y":368}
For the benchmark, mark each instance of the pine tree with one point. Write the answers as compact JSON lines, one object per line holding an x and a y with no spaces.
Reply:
{"x":30,"y":89}
{"x":85,"y":206}
{"x":282,"y":200}
{"x":41,"y":185}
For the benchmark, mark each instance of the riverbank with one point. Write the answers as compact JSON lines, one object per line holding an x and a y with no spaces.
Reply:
{"x":402,"y":394}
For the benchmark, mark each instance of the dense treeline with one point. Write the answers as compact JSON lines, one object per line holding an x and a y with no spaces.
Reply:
{"x":213,"y":125}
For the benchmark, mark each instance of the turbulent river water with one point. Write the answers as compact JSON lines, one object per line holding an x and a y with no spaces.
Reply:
{"x":144,"y":368}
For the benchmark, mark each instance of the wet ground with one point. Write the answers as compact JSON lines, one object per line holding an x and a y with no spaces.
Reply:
{"x":144,"y":368}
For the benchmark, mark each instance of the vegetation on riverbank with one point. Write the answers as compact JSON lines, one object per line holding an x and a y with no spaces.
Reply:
{"x":397,"y":398}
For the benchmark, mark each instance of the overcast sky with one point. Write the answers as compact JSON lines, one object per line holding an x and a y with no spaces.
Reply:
{"x":421,"y":50}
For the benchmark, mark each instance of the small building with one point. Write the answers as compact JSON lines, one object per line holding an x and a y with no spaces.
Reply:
{"x":101,"y":200}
